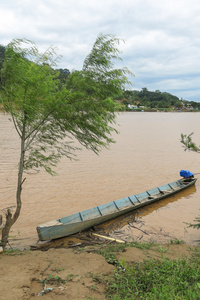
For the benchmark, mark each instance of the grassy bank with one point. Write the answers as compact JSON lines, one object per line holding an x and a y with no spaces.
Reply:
{"x":152,"y":278}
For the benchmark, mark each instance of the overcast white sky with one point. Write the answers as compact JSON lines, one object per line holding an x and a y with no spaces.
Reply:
{"x":162,"y":38}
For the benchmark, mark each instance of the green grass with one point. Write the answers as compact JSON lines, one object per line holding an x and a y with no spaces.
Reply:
{"x":14,"y":252}
{"x":155,"y":279}
{"x":50,"y":279}
{"x":111,"y":250}
{"x":152,"y":279}
{"x":176,"y":242}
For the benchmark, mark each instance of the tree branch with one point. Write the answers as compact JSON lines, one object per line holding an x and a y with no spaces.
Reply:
{"x":15,"y":124}
{"x":36,"y":129}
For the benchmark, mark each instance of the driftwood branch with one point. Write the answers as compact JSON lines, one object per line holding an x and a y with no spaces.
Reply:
{"x":108,"y":238}
{"x":137,"y":228}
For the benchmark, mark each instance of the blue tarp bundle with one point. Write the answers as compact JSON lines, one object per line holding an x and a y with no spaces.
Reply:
{"x":186,"y":174}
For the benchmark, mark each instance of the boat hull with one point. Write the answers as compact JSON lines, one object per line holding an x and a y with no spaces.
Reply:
{"x":86,"y":219}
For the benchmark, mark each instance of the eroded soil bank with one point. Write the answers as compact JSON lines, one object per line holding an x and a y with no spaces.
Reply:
{"x":69,"y":271}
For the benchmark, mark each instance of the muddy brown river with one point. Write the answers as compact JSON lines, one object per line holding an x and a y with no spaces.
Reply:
{"x":147,"y":154}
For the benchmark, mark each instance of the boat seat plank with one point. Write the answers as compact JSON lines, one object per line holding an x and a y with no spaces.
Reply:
{"x":108,"y":208}
{"x":142,"y":196}
{"x":165,"y":188}
{"x":133,"y":200}
{"x":165,"y":192}
{"x":153,"y":192}
{"x":123,"y":203}
{"x":80,"y":216}
{"x":100,"y":212}
{"x":174,"y":184}
{"x":90,"y":213}
{"x":116,"y":205}
{"x":71,"y":219}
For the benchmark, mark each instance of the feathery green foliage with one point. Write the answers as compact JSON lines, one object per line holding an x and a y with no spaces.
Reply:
{"x":49,"y":115}
{"x":188,"y":143}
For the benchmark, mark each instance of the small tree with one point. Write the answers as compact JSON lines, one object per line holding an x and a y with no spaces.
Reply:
{"x":197,"y":224}
{"x":188,"y":144}
{"x":48,"y":115}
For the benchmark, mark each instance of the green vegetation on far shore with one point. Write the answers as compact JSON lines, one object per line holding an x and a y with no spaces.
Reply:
{"x":145,"y":100}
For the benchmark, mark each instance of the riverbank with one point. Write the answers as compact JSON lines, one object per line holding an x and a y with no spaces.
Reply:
{"x":76,"y":273}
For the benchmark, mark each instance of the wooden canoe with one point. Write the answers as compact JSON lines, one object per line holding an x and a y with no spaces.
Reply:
{"x":94,"y":216}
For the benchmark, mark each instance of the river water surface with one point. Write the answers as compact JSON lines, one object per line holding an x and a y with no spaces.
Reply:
{"x":147,"y":154}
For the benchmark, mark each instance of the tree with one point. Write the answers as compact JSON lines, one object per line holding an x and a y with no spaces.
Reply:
{"x":48,"y":115}
{"x":188,"y":143}
{"x":63,"y":74}
{"x":2,"y":55}
{"x":196,"y":224}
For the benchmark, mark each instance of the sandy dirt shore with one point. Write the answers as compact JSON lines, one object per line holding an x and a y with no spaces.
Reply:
{"x":68,"y":271}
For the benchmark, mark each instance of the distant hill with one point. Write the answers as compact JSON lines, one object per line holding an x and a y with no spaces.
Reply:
{"x":157,"y":99}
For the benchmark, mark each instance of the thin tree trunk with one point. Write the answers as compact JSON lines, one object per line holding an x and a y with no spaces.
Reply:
{"x":11,"y":219}
{"x":6,"y":229}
